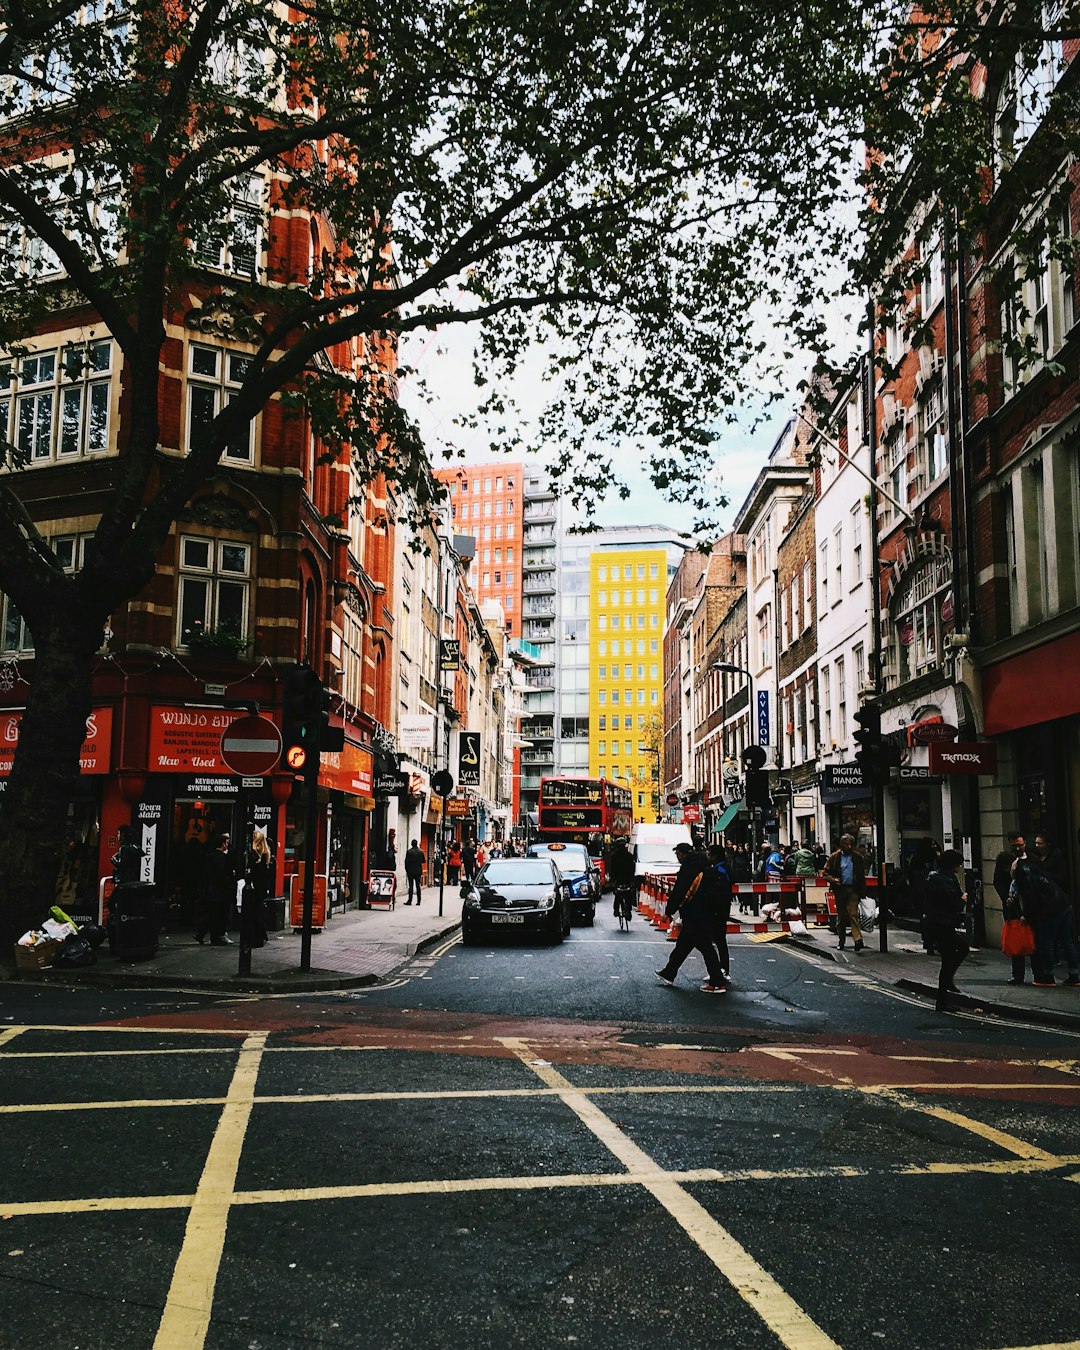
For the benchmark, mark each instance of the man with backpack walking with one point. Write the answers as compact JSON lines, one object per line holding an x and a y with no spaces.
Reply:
{"x":694,"y":897}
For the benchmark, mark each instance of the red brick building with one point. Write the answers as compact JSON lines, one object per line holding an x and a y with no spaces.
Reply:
{"x":487,"y":502}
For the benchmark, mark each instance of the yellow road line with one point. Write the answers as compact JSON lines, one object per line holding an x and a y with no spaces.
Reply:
{"x":1058,"y":1345}
{"x":136,"y":1105}
{"x":95,"y":1027}
{"x":777,"y":1309}
{"x":1009,"y":1142}
{"x":119,"y":1054}
{"x":186,"y":1317}
{"x":93,"y":1204}
{"x":466,"y":1185}
{"x":9,"y":1034}
{"x":480,"y":1094}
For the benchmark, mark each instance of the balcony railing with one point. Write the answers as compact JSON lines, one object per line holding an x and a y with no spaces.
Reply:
{"x":539,"y":732}
{"x":538,"y":534}
{"x":541,"y":679}
{"x":536,"y":609}
{"x":540,"y":511}
{"x":542,"y":584}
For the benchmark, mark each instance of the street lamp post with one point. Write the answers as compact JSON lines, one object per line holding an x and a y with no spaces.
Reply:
{"x":730,"y":668}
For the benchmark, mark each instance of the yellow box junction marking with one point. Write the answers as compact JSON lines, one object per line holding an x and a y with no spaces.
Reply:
{"x":777,"y":1309}
{"x":186,"y":1318}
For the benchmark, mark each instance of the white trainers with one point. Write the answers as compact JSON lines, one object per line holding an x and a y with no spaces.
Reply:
{"x":665,"y":979}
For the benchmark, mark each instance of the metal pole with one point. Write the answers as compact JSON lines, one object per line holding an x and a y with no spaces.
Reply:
{"x":242,"y":813}
{"x":311,"y":826}
{"x":875,"y":619}
{"x":439,"y":851}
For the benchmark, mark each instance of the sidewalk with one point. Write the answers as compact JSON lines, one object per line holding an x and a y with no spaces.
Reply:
{"x":355,"y":948}
{"x":983,"y":978}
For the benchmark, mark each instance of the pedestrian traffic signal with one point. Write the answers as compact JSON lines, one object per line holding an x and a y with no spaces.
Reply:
{"x":301,"y":716}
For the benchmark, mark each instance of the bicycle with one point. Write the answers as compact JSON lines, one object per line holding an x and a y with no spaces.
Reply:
{"x":624,"y":907}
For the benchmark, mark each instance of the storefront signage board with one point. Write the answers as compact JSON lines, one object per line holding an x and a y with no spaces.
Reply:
{"x":691,"y":814}
{"x":188,"y":740}
{"x":417,"y":731}
{"x":95,"y":756}
{"x":927,"y":733}
{"x":469,"y":743}
{"x":350,"y":770}
{"x":391,"y":785}
{"x":458,"y":806}
{"x":961,"y":757}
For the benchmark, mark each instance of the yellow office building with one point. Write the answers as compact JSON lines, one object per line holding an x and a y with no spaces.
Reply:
{"x":627,"y":590}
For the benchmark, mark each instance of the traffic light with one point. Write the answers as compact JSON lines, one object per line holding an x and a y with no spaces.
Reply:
{"x":330,"y":738}
{"x":875,"y":758}
{"x":757,"y":788}
{"x":301,"y":718}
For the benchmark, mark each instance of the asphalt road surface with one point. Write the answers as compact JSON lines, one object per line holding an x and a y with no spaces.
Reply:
{"x":523,"y":1146}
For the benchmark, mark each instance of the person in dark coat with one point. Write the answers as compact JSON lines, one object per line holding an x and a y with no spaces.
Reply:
{"x":220,"y":895}
{"x":415,"y":861}
{"x":943,"y":920}
{"x":719,"y":862}
{"x":468,"y":858}
{"x":694,"y":898}
{"x":127,"y":860}
{"x":258,"y":882}
{"x":621,"y":871}
{"x":1011,"y":908}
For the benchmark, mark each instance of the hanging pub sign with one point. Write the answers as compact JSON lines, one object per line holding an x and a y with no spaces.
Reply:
{"x":468,"y":774}
{"x":449,"y":655}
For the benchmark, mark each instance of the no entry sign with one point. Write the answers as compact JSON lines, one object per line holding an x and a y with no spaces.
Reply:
{"x":251,"y":745}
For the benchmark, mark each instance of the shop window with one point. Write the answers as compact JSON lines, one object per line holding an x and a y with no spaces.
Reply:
{"x":214,"y":380}
{"x":215,"y":583}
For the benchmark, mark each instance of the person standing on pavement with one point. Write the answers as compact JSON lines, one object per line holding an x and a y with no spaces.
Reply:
{"x":453,"y":864}
{"x":468,"y":859}
{"x":258,"y":881}
{"x":943,"y":920}
{"x":846,"y":869}
{"x":415,"y":861}
{"x":1011,"y":908}
{"x":220,"y":895}
{"x":1048,"y":908}
{"x":805,"y":862}
{"x":694,"y":898}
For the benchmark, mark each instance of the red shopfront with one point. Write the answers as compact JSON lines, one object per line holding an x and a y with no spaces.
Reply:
{"x":188,"y":798}
{"x":76,"y":888}
{"x":346,"y":782}
{"x":1031,"y":707}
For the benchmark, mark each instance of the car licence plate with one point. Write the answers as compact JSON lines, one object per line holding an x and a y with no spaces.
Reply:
{"x":508,"y":918}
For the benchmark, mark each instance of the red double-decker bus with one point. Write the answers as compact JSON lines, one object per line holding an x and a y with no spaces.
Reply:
{"x":589,"y":811}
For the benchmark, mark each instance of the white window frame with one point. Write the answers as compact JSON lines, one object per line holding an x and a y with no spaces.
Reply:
{"x":214,"y":391}
{"x":220,"y":576}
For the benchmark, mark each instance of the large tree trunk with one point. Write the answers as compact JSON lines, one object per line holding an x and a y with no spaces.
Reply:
{"x":33,"y":809}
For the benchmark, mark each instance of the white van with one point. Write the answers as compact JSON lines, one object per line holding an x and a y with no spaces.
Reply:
{"x":653,"y":847}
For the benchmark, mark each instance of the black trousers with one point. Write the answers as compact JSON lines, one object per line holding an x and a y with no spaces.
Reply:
{"x":413,"y":882}
{"x":953,"y":948}
{"x":703,"y":940}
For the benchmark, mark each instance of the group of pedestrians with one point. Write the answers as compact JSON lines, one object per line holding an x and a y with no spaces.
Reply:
{"x":1033,"y":885}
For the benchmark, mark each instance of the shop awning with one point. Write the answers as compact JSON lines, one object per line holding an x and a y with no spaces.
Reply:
{"x":729,"y":815}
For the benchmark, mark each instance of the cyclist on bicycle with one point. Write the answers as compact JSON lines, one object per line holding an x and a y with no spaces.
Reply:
{"x":620,"y":869}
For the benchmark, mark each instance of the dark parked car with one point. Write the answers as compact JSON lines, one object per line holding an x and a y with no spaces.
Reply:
{"x":516,"y":895}
{"x":577,"y":868}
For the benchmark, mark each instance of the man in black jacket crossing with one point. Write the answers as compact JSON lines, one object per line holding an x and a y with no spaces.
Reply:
{"x":694,"y":897}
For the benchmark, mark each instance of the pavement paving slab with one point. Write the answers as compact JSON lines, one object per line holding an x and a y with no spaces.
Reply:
{"x":983,"y":979}
{"x":356,"y":948}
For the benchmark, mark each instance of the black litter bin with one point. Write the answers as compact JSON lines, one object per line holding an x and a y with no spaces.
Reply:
{"x":133,"y":921}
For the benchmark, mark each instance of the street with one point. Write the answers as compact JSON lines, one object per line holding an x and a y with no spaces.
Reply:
{"x":534,"y":1146}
